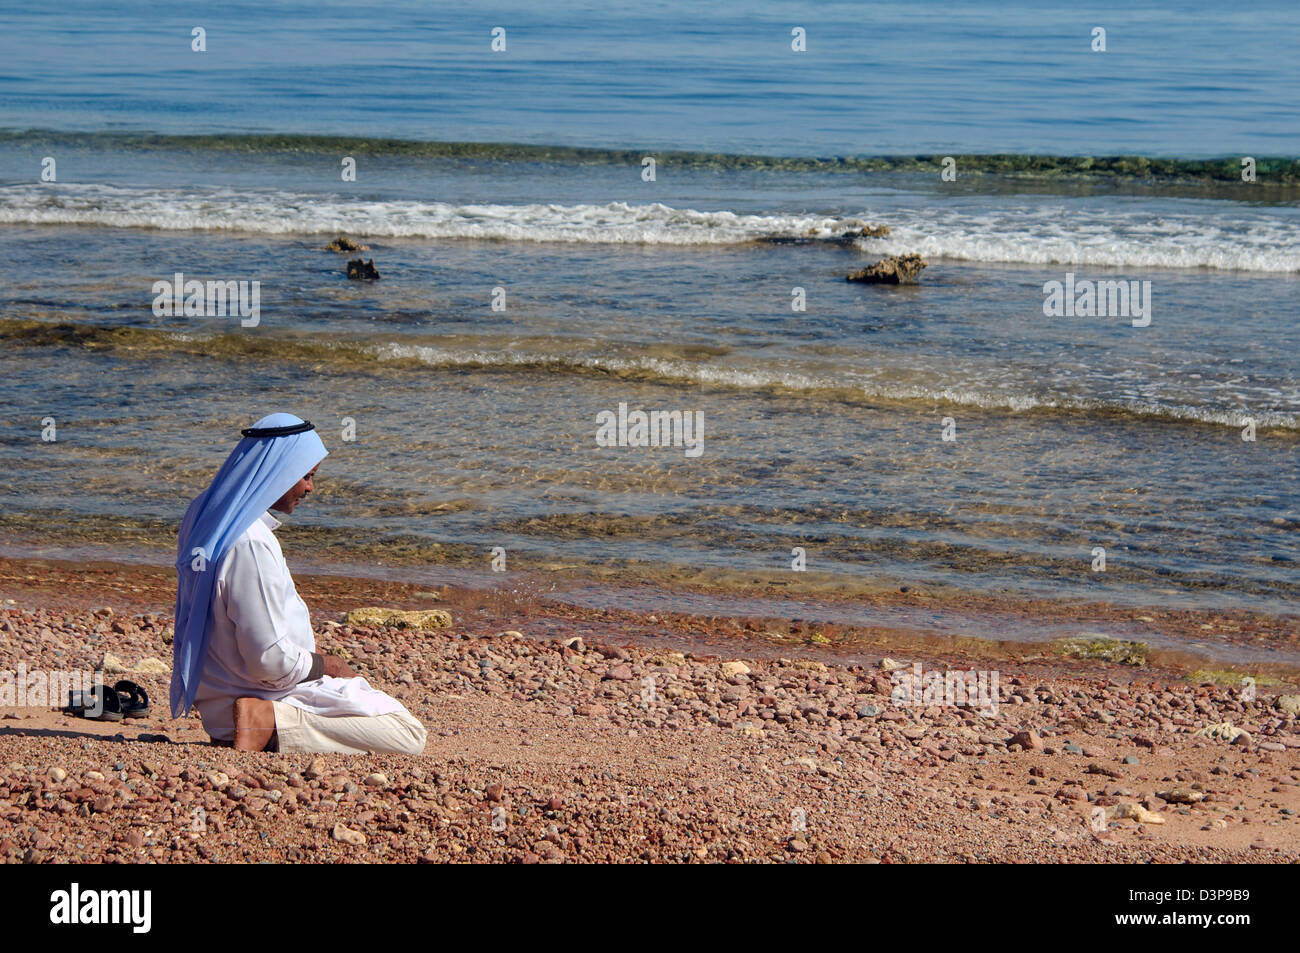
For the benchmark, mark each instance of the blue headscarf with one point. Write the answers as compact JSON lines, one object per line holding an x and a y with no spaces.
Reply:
{"x":255,"y":475}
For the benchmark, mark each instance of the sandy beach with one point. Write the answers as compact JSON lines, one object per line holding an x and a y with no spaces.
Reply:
{"x":564,"y":736}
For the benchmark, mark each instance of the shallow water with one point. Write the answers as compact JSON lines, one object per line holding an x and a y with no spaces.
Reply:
{"x":455,"y":427}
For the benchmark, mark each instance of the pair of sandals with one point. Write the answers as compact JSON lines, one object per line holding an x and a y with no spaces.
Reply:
{"x":101,"y":703}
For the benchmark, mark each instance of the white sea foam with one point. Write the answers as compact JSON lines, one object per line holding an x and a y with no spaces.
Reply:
{"x":1088,"y":234}
{"x":1199,"y":235}
{"x":288,"y":213}
{"x":713,"y":375}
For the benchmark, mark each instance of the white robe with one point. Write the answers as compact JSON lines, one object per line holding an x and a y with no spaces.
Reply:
{"x":262,"y":641}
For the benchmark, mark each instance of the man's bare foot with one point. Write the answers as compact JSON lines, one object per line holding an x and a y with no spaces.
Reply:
{"x":254,"y":724}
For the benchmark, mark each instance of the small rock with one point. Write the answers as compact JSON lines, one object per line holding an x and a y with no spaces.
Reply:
{"x":1222,"y":731}
{"x":733,"y":668}
{"x":889,"y":665}
{"x":151,"y":666}
{"x":57,"y":774}
{"x":112,"y":665}
{"x":348,"y":836}
{"x":377,"y":780}
{"x":343,"y":243}
{"x":1137,"y":813}
{"x":400,"y":619}
{"x":316,"y":770}
{"x":896,"y":270}
{"x":1028,"y":740}
{"x":359,"y":270}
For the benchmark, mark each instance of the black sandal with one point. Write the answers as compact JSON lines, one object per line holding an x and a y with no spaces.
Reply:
{"x":78,"y":702}
{"x":134,"y":700}
{"x":105,"y":704}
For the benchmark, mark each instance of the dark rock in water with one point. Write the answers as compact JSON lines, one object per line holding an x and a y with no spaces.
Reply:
{"x":899,"y":270}
{"x":359,"y":270}
{"x":343,"y":243}
{"x":854,"y":230}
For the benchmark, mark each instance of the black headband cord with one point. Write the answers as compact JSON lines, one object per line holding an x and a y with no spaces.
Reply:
{"x":278,"y":431}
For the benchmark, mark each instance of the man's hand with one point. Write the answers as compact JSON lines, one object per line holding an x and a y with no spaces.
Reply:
{"x":336,"y":667}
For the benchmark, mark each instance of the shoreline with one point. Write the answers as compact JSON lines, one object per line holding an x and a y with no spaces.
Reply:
{"x":806,"y":756}
{"x":744,"y":611}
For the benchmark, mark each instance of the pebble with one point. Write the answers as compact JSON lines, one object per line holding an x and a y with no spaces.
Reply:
{"x":1138,"y":813}
{"x":348,"y":836}
{"x":377,"y":779}
{"x":57,"y":774}
{"x":1028,"y":740}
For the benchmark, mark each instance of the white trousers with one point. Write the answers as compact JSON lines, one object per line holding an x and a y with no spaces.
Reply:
{"x":397,"y":732}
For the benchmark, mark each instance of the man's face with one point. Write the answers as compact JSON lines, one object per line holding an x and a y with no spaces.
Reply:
{"x":286,"y":503}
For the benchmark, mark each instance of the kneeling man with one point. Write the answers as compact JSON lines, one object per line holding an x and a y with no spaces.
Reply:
{"x":244,"y":651}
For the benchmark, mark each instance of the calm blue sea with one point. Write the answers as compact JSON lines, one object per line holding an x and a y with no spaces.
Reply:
{"x":1182,"y":79}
